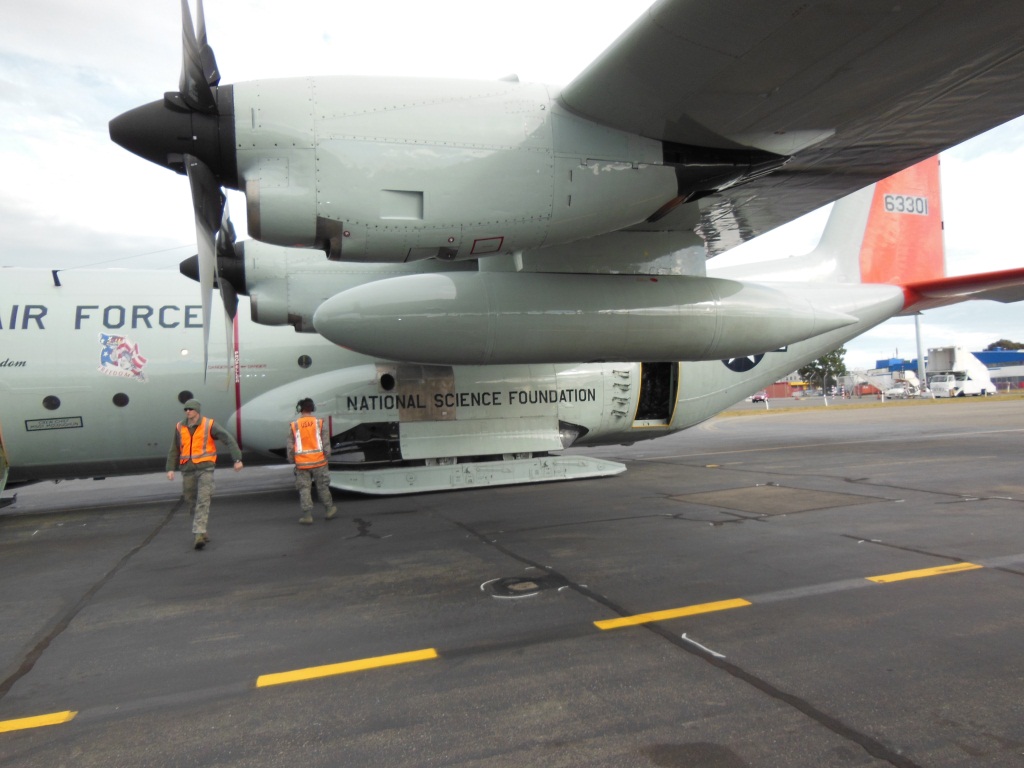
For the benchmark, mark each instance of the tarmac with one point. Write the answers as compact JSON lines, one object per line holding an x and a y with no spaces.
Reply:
{"x":790,"y":585}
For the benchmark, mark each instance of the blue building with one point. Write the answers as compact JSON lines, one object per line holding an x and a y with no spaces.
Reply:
{"x":1000,"y":358}
{"x":1006,"y":367}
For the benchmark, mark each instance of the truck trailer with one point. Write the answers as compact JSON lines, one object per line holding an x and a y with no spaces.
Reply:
{"x":955,"y":372}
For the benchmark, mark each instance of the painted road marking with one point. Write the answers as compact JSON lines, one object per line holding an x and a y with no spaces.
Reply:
{"x":54,"y":718}
{"x":724,"y":605}
{"x":672,"y":613}
{"x":922,"y":573}
{"x":328,"y":670}
{"x":358,"y":665}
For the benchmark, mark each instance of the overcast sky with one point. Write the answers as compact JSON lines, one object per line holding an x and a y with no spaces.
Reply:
{"x":71,"y":198}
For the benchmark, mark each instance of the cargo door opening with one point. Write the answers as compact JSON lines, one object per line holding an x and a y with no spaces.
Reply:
{"x":659,"y":386}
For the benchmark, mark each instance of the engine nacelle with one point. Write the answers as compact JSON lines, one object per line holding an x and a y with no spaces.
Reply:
{"x":286,"y":285}
{"x":375,"y":169}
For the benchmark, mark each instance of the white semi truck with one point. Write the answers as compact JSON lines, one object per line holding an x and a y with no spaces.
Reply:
{"x":955,"y":372}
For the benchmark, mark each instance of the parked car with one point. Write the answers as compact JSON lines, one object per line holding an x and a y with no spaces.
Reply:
{"x":759,"y":397}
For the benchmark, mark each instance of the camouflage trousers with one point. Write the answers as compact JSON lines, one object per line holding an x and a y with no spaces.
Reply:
{"x":197,"y":488}
{"x":304,"y":480}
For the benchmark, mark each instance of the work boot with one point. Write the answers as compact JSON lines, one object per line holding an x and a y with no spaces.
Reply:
{"x":307,"y":518}
{"x":331,"y":513}
{"x":200,"y":540}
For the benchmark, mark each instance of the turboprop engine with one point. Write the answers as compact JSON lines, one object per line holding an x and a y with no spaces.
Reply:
{"x":375,"y":169}
{"x":502,"y":318}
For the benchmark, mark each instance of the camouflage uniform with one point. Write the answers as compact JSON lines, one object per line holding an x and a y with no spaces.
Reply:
{"x":306,"y":478}
{"x":197,"y":479}
{"x":197,"y":489}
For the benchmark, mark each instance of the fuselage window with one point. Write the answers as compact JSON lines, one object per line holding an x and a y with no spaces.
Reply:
{"x":51,"y":402}
{"x":305,"y":361}
{"x":120,"y":399}
{"x":185,"y":395}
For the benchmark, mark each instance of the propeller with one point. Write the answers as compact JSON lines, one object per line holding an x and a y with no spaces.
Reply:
{"x":214,"y":230}
{"x":208,"y":204}
{"x":215,"y":236}
{"x":226,"y":254}
{"x":199,"y":73}
{"x":192,"y":131}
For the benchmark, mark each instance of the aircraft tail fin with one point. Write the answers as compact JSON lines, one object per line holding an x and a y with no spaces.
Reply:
{"x":903,"y":238}
{"x":903,"y":245}
{"x":891,"y":232}
{"x":888,"y":232}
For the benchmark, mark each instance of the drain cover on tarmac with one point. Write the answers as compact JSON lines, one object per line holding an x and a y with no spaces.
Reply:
{"x":522,"y":586}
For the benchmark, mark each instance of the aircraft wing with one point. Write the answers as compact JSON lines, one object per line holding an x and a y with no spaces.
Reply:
{"x":1006,"y":287}
{"x":852,"y":90}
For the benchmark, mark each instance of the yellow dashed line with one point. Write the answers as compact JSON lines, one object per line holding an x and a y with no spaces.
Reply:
{"x":673,"y":613}
{"x":329,"y":670}
{"x":310,"y":673}
{"x":725,"y":605}
{"x":54,"y":718}
{"x":942,"y":569}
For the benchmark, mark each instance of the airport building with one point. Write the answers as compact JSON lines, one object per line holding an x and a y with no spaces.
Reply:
{"x":1005,"y":366}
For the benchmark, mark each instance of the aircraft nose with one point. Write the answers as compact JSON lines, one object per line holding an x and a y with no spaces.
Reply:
{"x":162,"y":132}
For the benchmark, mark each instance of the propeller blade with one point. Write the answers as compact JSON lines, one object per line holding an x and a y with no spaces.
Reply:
{"x":210,"y":70}
{"x":230,"y":300}
{"x":193,"y":83}
{"x":226,"y":234}
{"x":225,"y":251}
{"x":229,"y":296}
{"x":208,"y":204}
{"x":230,"y":271}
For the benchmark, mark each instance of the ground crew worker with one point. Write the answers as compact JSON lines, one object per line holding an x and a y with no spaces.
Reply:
{"x":194,"y":453}
{"x":307,"y":437}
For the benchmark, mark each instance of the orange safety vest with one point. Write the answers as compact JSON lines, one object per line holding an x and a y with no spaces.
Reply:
{"x":307,"y":443}
{"x":197,"y":446}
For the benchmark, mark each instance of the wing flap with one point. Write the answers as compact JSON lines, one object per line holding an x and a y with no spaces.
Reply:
{"x":854,"y":90}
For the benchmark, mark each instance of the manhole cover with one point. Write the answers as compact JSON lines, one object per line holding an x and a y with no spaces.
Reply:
{"x":522,"y":586}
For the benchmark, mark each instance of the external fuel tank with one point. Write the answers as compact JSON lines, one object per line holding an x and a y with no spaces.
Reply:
{"x":506,"y":317}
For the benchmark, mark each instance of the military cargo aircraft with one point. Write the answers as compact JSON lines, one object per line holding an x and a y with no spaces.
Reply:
{"x":484,"y":273}
{"x":97,"y":363}
{"x":702,"y":126}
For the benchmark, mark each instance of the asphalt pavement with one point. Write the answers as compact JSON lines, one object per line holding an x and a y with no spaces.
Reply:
{"x":782,"y":586}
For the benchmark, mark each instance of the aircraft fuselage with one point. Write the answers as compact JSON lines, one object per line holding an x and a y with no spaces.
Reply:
{"x":94,"y":372}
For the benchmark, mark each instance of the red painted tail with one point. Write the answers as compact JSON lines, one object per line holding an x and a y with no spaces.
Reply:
{"x":903,"y":241}
{"x":903,"y":245}
{"x":891,"y":233}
